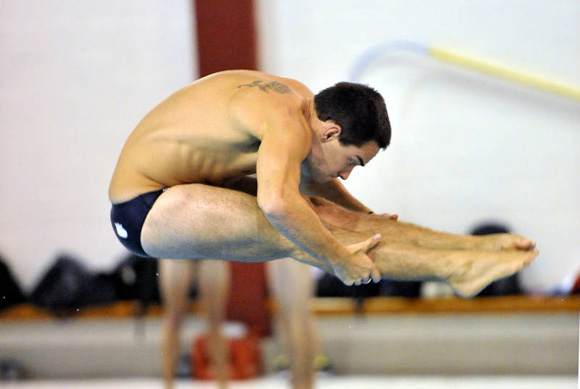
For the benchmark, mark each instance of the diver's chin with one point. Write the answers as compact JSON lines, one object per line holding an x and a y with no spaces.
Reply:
{"x":318,"y":176}
{"x":321,"y":179}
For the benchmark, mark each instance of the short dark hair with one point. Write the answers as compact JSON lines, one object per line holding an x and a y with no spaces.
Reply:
{"x":359,"y":110}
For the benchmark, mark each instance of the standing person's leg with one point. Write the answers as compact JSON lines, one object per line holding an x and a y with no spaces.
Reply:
{"x":175,"y":277}
{"x":214,"y":286}
{"x":292,"y":285}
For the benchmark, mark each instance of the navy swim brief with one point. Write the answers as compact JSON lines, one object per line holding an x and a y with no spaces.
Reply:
{"x":127,"y":220}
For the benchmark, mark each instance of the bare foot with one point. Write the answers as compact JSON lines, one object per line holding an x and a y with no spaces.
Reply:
{"x":475,"y":270}
{"x":506,"y":242}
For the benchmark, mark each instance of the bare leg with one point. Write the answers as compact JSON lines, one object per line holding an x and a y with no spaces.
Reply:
{"x":175,"y":280}
{"x":467,"y":272}
{"x":292,"y":285}
{"x":406,"y":251}
{"x":196,"y":221}
{"x":214,"y":290}
{"x":409,"y":234}
{"x":199,"y":221}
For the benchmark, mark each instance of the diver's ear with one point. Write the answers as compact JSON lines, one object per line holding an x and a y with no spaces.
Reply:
{"x":332,"y":131}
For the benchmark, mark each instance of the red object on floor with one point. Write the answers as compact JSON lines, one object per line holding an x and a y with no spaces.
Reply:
{"x":244,"y":358}
{"x":576,"y":286}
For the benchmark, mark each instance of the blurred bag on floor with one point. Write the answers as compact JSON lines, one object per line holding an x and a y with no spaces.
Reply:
{"x":68,"y":286}
{"x":10,"y":291}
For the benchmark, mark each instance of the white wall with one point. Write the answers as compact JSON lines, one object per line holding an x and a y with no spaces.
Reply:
{"x":75,"y":78}
{"x":465,"y":147}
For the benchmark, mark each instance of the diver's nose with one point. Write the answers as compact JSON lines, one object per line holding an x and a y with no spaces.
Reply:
{"x":345,"y":173}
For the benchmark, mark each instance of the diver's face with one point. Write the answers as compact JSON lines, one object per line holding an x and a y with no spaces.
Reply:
{"x":338,"y":161}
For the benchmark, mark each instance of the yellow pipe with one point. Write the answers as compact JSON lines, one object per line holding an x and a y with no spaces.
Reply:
{"x":501,"y":71}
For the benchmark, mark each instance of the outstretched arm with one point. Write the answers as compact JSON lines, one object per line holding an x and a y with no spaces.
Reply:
{"x":334,"y":191}
{"x":285,"y":144}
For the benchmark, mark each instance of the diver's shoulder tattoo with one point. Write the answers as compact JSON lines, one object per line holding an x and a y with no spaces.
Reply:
{"x":275,"y":86}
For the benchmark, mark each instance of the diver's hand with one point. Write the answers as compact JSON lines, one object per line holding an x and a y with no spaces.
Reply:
{"x":358,"y":268}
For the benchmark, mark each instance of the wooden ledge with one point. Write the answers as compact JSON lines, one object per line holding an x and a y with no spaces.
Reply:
{"x":334,"y":306}
{"x":397,"y":305}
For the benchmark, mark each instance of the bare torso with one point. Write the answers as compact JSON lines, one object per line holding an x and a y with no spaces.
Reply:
{"x":207,"y":132}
